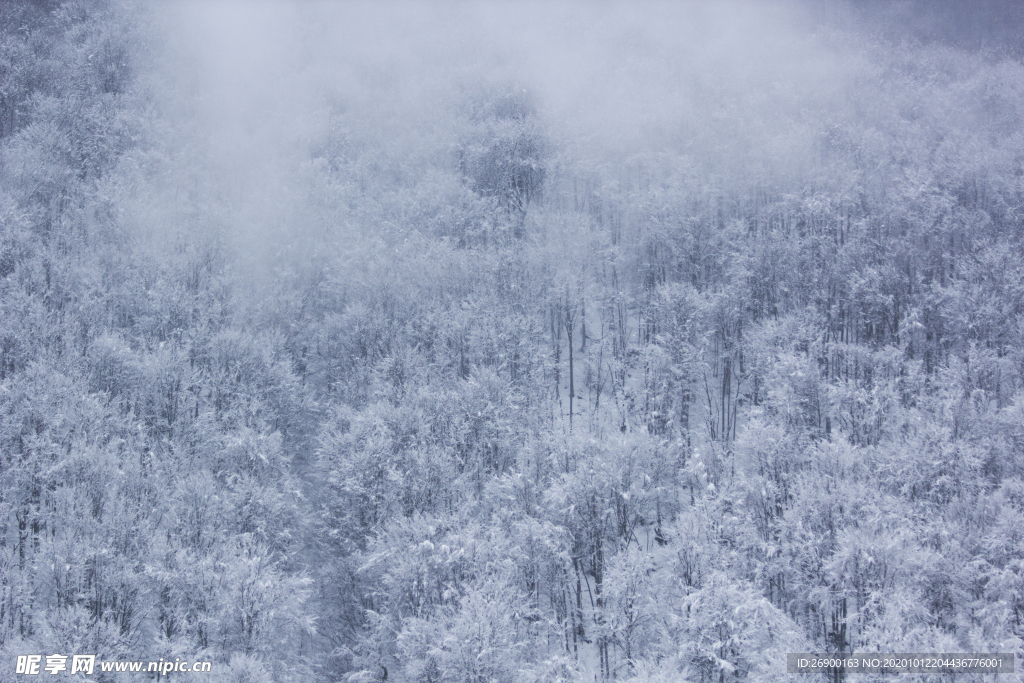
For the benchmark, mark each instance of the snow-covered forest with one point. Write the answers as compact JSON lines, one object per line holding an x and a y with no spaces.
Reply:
{"x":461,"y":342}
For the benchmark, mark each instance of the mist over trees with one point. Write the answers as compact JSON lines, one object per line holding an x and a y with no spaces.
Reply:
{"x":482,"y":342}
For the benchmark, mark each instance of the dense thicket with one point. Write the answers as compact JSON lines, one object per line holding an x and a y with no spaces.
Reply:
{"x":508,"y":384}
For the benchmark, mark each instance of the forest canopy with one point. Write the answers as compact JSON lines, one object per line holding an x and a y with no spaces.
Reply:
{"x":517,"y":342}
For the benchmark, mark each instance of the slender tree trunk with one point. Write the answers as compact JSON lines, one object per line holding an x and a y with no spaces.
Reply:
{"x":572,"y":384}
{"x":583,"y":326}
